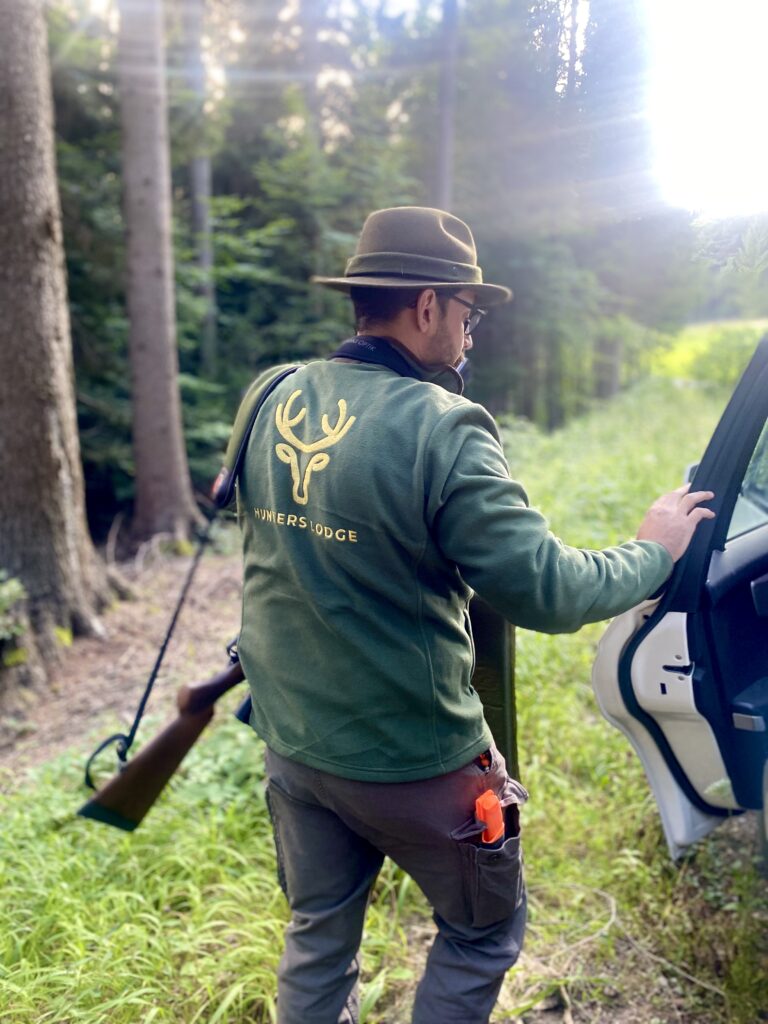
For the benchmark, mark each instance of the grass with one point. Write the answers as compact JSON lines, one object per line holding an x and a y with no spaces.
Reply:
{"x":714,"y":352}
{"x":182,"y":921}
{"x":597,"y":861}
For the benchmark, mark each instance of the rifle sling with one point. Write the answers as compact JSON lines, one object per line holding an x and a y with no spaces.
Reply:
{"x":125,"y":742}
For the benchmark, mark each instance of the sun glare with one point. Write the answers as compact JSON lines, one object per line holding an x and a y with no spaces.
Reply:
{"x":707,"y":104}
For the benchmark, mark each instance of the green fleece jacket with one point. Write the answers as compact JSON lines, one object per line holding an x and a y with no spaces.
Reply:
{"x":372,"y":506}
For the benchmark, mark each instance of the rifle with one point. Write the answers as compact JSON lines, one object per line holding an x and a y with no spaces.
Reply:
{"x":126,"y":798}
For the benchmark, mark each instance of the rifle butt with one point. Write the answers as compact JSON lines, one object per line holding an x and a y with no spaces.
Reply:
{"x":125,"y":799}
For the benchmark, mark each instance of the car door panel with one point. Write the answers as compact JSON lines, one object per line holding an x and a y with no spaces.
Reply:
{"x":690,"y":685}
{"x":683,"y":822}
{"x":662,"y":677}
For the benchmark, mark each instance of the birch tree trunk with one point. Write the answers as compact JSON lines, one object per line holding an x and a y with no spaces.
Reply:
{"x":44,"y":539}
{"x":164,"y":502}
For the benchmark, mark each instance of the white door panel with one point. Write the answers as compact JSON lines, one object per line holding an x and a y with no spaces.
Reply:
{"x":667,"y":696}
{"x":683,"y":823}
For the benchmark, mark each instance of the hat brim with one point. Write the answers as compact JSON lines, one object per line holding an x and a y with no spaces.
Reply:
{"x":485,"y":294}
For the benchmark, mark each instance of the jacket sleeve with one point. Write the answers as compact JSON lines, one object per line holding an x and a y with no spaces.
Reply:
{"x":505,"y":550}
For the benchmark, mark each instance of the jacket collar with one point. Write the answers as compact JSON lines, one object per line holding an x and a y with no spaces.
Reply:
{"x":389,"y":352}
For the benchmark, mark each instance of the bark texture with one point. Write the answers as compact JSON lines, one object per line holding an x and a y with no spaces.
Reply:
{"x":200,"y":186}
{"x":44,"y":538}
{"x":164,"y":502}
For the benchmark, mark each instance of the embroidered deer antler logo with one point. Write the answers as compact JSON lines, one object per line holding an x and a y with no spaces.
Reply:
{"x":289,"y":453}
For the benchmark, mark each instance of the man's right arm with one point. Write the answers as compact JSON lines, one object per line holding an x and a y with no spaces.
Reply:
{"x":506,"y":552}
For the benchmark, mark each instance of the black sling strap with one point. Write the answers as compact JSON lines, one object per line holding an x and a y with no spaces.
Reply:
{"x":223,"y":490}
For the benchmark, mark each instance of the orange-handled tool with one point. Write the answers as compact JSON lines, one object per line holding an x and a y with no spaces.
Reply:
{"x":488,"y":809}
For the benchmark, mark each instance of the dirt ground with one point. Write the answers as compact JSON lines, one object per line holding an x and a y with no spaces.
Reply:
{"x":98,"y":684}
{"x":101,"y":681}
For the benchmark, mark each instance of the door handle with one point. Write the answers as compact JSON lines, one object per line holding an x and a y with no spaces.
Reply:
{"x":680,"y":670}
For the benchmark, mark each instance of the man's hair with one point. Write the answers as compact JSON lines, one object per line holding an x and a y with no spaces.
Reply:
{"x":380,"y":305}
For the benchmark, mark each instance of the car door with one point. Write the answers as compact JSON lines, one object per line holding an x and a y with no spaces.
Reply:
{"x":685,"y":675}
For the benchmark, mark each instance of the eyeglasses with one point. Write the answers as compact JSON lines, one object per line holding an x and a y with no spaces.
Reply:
{"x":475,"y":316}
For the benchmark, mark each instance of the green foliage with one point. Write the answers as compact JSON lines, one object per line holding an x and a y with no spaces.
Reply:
{"x":646,"y":265}
{"x":540,"y":357}
{"x":13,"y":656}
{"x":299,"y":160}
{"x":11,"y":594}
{"x":63,"y":636}
{"x":747,"y":272}
{"x":713,"y":354}
{"x":734,"y":255}
{"x":88,"y":164}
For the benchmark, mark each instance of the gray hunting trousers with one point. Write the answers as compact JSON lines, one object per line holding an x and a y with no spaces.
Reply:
{"x":332,"y":835}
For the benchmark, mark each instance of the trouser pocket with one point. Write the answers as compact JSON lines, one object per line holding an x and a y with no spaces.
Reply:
{"x":493,"y":876}
{"x":279,"y":854}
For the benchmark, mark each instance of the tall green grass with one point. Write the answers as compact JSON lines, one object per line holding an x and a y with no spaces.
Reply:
{"x":714,"y":353}
{"x":182,"y":921}
{"x":600,"y":876}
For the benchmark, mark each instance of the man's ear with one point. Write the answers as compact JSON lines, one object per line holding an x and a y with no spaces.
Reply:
{"x":426,"y":310}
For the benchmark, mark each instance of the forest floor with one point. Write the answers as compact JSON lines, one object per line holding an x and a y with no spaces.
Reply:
{"x":99,"y":682}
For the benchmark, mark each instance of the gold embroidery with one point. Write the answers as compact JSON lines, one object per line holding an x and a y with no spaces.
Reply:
{"x":289,"y":453}
{"x":270,"y":515}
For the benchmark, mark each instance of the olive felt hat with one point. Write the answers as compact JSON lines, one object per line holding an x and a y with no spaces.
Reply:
{"x":416,"y":247}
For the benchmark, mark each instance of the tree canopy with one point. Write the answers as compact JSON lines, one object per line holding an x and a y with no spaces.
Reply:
{"x":308,"y":117}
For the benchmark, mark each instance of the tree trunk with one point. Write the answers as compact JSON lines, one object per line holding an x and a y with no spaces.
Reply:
{"x":200,"y":179}
{"x":607,"y":367}
{"x":554,"y":385}
{"x":44,"y":538}
{"x":200,"y":199}
{"x":570,"y":86}
{"x":528,"y":387}
{"x":447,"y":106}
{"x":164,"y":502}
{"x":312,"y":18}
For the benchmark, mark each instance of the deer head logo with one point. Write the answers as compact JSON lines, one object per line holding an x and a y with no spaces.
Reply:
{"x":285,"y":421}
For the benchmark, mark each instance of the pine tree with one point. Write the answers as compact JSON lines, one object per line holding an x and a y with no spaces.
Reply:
{"x":44,"y":539}
{"x":164,"y":502}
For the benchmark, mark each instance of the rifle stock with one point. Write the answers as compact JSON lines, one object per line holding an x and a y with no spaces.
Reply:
{"x":125,"y":799}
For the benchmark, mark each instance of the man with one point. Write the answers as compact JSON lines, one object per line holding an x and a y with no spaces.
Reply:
{"x":375,"y":500}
